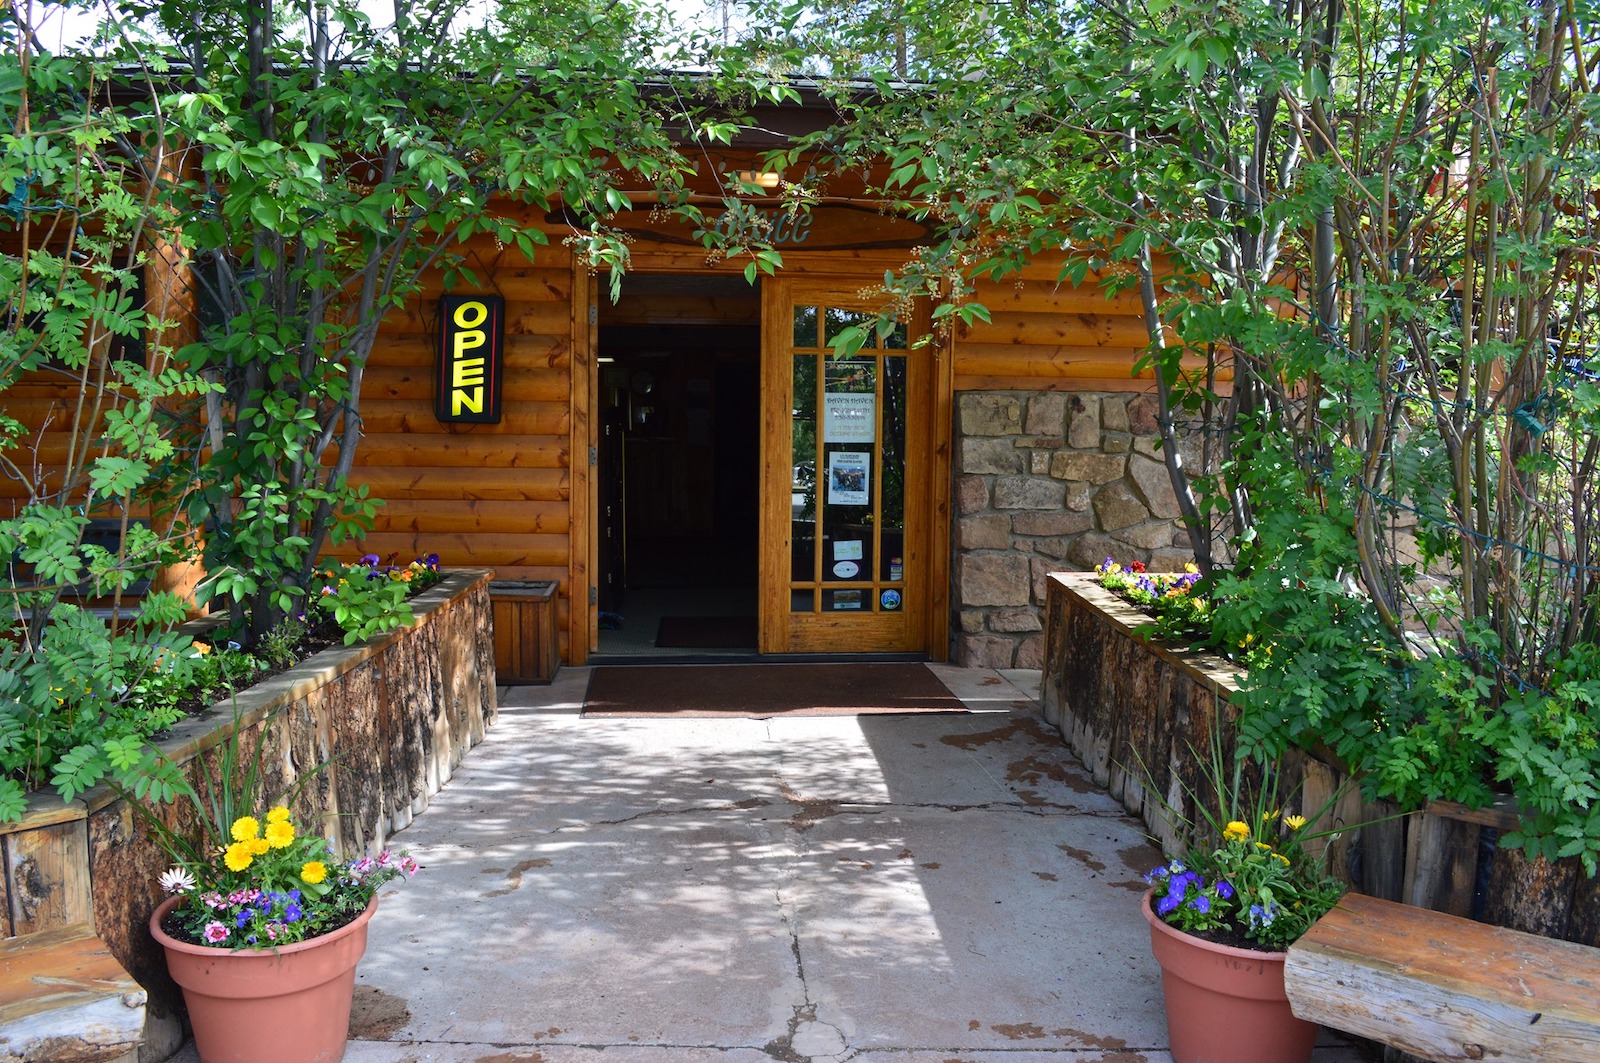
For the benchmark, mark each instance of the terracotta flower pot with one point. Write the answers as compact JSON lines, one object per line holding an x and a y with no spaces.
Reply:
{"x":266,"y":1006}
{"x":1225,"y":1005}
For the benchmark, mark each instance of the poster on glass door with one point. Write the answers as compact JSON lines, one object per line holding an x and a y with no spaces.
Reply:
{"x":848,"y":411}
{"x":847,"y":479}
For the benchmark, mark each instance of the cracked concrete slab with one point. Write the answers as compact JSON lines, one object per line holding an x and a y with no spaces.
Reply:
{"x":899,"y":889}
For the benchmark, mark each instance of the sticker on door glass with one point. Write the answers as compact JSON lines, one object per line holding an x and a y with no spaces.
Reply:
{"x":890,"y":600}
{"x":847,"y":479}
{"x":846,"y":569}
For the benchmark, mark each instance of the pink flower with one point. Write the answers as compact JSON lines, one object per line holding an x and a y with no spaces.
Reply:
{"x":386,"y":859}
{"x":216,"y":933}
{"x":213,"y":900}
{"x":408,"y":865}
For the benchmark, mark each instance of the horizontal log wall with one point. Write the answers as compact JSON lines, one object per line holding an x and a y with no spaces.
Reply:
{"x":502,"y":496}
{"x":391,"y":718}
{"x":1133,"y":709}
{"x":1046,"y":334}
{"x":493,"y":496}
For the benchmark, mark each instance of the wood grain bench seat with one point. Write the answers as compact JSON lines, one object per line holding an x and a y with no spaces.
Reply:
{"x":1446,"y":988}
{"x":66,"y":999}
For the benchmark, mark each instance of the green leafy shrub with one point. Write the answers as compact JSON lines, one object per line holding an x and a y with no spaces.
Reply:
{"x":78,"y":705}
{"x":70,"y":711}
{"x":1545,"y":748}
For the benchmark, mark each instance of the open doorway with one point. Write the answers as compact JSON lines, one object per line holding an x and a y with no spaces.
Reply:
{"x":679,"y":467}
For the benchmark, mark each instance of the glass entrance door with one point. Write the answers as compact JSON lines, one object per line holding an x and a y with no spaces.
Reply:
{"x":844,"y":529}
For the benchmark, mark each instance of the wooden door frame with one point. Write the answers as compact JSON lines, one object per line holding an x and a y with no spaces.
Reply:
{"x":861,"y":269}
{"x":583,"y":544}
{"x":927,"y":432}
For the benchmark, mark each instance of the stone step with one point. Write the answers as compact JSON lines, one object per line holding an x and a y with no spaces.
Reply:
{"x":66,"y":999}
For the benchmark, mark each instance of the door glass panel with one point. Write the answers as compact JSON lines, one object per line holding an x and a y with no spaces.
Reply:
{"x":805,"y":326}
{"x":803,"y":491}
{"x":847,"y":519}
{"x":892,"y":502}
{"x":849,"y":435}
{"x":839,"y":320}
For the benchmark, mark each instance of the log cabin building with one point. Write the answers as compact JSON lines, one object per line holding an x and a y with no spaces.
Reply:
{"x":694,"y":449}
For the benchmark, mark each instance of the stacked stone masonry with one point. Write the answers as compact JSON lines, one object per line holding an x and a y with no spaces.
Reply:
{"x":1046,"y":482}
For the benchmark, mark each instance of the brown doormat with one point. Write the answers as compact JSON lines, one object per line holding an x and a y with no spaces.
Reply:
{"x":758,"y":691}
{"x":707,"y":632}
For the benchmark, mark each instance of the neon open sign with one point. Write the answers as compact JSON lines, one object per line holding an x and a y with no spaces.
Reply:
{"x":471,"y":358}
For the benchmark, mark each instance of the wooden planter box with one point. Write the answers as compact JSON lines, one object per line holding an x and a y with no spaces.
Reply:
{"x":1120,"y":701}
{"x":393,"y":716}
{"x":525,"y":633}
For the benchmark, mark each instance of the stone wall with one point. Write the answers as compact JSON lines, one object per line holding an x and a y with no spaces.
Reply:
{"x":1046,"y":481}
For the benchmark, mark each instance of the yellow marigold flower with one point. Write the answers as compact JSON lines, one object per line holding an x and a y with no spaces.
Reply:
{"x":314,"y":872}
{"x":277,"y":814}
{"x":1236,"y":831}
{"x":1294,"y":822}
{"x":237,"y":856}
{"x":1191,"y":567}
{"x":1281,"y":859}
{"x":257,"y":846}
{"x":245,"y":828}
{"x":1264,"y":847}
{"x":202,"y":648}
{"x":280,"y":834}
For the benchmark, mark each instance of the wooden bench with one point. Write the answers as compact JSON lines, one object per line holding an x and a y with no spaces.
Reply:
{"x":66,"y":999}
{"x":1446,"y":988}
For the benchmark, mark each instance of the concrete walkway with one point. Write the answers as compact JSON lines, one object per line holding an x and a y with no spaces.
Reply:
{"x":884,"y":889}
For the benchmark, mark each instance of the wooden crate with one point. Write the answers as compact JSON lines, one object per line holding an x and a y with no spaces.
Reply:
{"x":525,"y":647}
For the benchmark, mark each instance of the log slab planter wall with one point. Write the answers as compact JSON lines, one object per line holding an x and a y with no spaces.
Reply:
{"x":392,"y":717}
{"x":1120,"y":701}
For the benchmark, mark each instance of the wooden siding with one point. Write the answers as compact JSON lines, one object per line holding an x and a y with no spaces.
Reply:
{"x":512,"y":497}
{"x":1044,"y":334}
{"x":486,"y":496}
